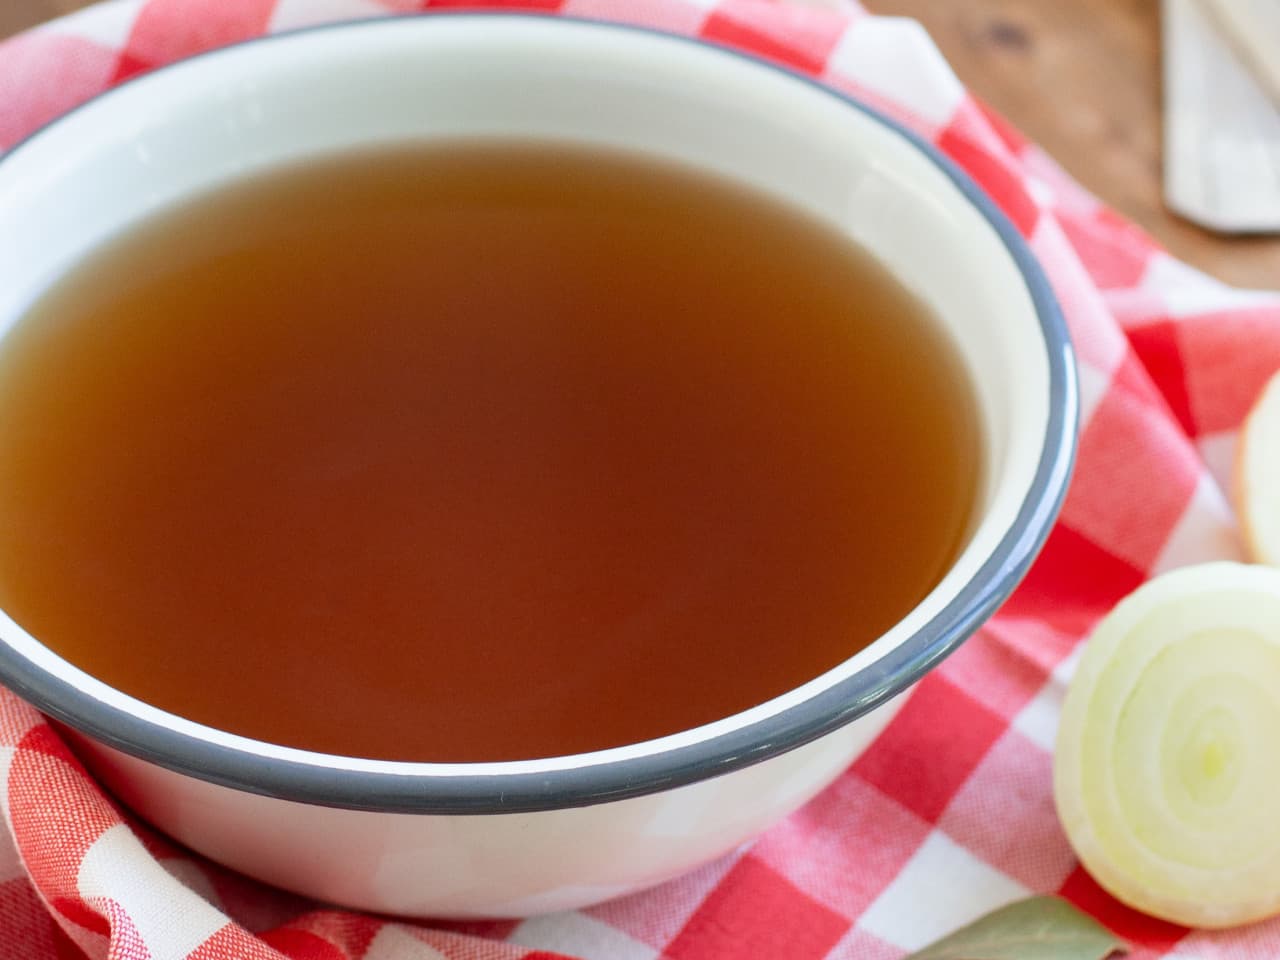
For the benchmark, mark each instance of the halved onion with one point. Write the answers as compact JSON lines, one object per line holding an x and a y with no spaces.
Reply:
{"x":1257,"y":481}
{"x":1167,"y":769}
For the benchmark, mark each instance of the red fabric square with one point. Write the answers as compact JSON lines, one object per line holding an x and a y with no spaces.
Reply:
{"x":971,"y":124}
{"x":1009,"y":135}
{"x":253,"y":905}
{"x":1099,"y":342}
{"x":1157,"y":347}
{"x":1135,"y":379}
{"x":845,"y":846}
{"x":1224,"y":380}
{"x":756,"y":912}
{"x":81,"y":914}
{"x":303,"y":945}
{"x":129,"y":67}
{"x":1034,"y":641}
{"x":1142,"y":472}
{"x":341,"y":934}
{"x":800,"y":37}
{"x":1138,"y":928}
{"x":999,"y":178}
{"x":656,"y":915}
{"x":44,"y":75}
{"x":997,"y":675}
{"x":168,"y":30}
{"x":231,"y":941}
{"x":24,"y":919}
{"x":1005,"y":814}
{"x":126,"y":941}
{"x":50,"y":795}
{"x":64,"y":948}
{"x":1073,"y":583}
{"x":1111,"y":256}
{"x":931,"y":747}
{"x":488,"y":929}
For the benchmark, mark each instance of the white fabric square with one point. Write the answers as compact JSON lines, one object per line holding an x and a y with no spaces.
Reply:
{"x":171,"y":919}
{"x":707,"y":5}
{"x":581,"y":936}
{"x":1218,"y":451}
{"x":1099,"y":341}
{"x":895,"y":58}
{"x":395,"y":943}
{"x":942,"y":888}
{"x":1038,"y":720}
{"x":1255,"y":941}
{"x":1094,"y":384}
{"x":1207,"y":531}
{"x":290,"y":14}
{"x":193,"y":877}
{"x":1187,"y":291}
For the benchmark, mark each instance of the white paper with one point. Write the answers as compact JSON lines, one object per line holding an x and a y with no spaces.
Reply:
{"x":1221,"y":128}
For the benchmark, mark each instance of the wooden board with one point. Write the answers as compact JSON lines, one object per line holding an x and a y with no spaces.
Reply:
{"x":17,"y":15}
{"x":1080,"y":77}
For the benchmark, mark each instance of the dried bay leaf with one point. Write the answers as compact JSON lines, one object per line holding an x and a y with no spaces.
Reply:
{"x":1039,"y":928}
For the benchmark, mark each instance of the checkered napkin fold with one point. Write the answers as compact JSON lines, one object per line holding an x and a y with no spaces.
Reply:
{"x":949,"y":814}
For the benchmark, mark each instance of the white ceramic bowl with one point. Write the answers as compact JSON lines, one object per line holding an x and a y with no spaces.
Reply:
{"x":507,"y":839}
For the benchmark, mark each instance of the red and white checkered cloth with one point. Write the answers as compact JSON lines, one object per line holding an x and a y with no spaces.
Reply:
{"x":949,"y":814}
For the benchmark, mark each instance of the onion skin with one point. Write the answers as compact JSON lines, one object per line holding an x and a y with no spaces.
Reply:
{"x":1167,"y":767}
{"x":1257,"y":476}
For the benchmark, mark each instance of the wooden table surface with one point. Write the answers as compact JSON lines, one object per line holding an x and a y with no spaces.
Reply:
{"x":1080,"y":77}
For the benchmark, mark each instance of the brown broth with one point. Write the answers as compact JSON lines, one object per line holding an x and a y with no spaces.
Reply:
{"x":476,"y":451}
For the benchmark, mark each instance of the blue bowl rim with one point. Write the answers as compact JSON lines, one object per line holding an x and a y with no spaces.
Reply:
{"x":527,"y":792}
